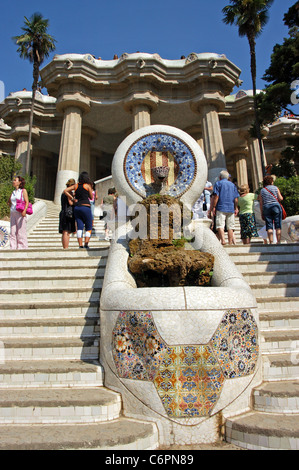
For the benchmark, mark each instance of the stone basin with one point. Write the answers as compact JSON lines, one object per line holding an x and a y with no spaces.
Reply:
{"x":183,"y":357}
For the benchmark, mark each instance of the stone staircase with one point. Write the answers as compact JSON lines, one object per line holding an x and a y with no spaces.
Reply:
{"x":51,"y":383}
{"x":272,"y":271}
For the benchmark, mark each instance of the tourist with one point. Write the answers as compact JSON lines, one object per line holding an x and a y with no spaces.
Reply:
{"x":271,"y":212}
{"x":67,"y":223}
{"x":18,"y":220}
{"x":246,"y":214}
{"x":93,"y":201}
{"x":82,"y":210}
{"x":197,"y":208}
{"x":109,"y":206}
{"x":225,"y":200}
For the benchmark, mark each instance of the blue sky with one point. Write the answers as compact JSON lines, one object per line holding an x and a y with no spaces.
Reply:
{"x":170,"y":28}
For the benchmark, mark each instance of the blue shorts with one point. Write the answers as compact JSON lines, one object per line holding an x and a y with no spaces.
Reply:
{"x":272,"y":215}
{"x":83,"y":218}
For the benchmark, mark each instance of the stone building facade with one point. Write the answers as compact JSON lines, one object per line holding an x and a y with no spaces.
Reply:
{"x":93,"y":104}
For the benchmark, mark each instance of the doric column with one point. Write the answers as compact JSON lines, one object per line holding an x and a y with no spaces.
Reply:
{"x":141,"y":105}
{"x":255,"y":159}
{"x":85,"y":159}
{"x":39,"y":168}
{"x":239,"y":156}
{"x":73,"y":107}
{"x":209,"y":105}
{"x":21,"y":152}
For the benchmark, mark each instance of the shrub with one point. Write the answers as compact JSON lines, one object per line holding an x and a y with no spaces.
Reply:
{"x":289,"y":189}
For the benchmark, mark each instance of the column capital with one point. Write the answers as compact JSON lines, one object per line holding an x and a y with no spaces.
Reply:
{"x":23,"y":131}
{"x":237,"y":151}
{"x":76,"y":100}
{"x":214,"y":100}
{"x":146,"y":99}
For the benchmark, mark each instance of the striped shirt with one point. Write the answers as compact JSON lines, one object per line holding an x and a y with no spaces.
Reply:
{"x":267,"y":197}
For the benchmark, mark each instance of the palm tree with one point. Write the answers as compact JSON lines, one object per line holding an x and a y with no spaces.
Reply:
{"x":250,"y":16}
{"x":35,"y":44}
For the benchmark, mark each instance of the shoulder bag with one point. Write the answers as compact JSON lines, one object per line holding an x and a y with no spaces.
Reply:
{"x":284,"y":214}
{"x":20,"y":206}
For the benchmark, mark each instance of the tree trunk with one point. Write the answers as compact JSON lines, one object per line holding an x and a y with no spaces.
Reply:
{"x":251,"y":40}
{"x":34,"y":88}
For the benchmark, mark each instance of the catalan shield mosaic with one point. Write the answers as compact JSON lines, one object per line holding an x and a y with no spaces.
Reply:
{"x":160,"y":149}
{"x":188,"y":379}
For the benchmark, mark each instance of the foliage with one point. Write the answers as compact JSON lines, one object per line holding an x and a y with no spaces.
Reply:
{"x":8,"y":169}
{"x":282,"y":72}
{"x":250,"y":16}
{"x":289,"y":189}
{"x":288,"y":165}
{"x":34,"y":44}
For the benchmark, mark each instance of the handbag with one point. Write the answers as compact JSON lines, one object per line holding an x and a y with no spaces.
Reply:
{"x":68,"y":211}
{"x":20,"y":206}
{"x":284,"y":214}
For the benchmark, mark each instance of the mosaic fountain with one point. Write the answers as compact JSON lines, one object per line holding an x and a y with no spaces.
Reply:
{"x":184,"y":357}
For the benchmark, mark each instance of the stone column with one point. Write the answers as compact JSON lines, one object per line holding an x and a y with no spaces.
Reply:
{"x":70,"y":146}
{"x":239,"y":156}
{"x":140,"y":106}
{"x":39,"y":168}
{"x":21,"y":152}
{"x":209,"y":105}
{"x":141,"y":116}
{"x":85,"y":160}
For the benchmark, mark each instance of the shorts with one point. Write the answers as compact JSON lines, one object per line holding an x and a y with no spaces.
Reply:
{"x":272,"y":215}
{"x":227,"y":218}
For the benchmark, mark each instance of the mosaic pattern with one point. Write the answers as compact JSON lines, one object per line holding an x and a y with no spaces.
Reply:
{"x":4,"y":237}
{"x":160,"y":149}
{"x":293,"y":231}
{"x":188,"y":379}
{"x":235,"y":343}
{"x":137,"y":346}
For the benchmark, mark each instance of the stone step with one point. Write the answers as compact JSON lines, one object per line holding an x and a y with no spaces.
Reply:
{"x":48,"y":282}
{"x":50,"y":373}
{"x":275,"y":290}
{"x":275,"y":304}
{"x":58,"y":270}
{"x":51,"y":254}
{"x":263,"y":249}
{"x":49,"y":326}
{"x":266,"y":267}
{"x":280,"y":319}
{"x":60,"y":348}
{"x":61,"y":294}
{"x":277,"y":397}
{"x":120,"y":434}
{"x":58,"y":405}
{"x":49,"y":309}
{"x":262,"y":431}
{"x":281,"y":366}
{"x":282,"y":257}
{"x":275,"y":341}
{"x":274,"y":277}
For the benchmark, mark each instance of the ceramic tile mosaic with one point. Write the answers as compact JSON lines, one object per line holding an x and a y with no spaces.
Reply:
{"x":137,"y":346}
{"x":188,"y":378}
{"x":188,"y":381}
{"x":160,"y":149}
{"x":235,"y":343}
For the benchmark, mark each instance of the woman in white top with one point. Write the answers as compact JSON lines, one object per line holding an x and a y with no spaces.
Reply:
{"x":18,"y":220}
